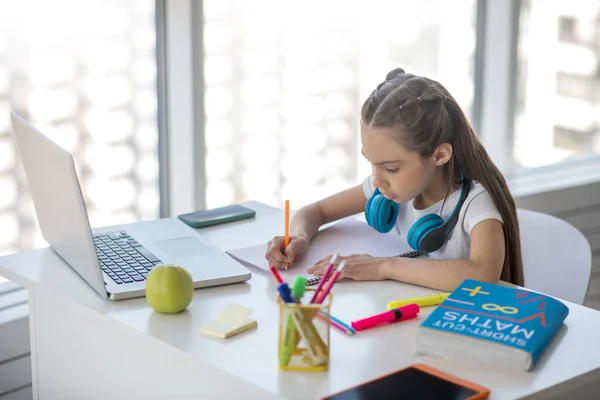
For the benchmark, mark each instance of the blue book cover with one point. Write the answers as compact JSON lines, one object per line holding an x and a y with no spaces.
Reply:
{"x":513,"y":317}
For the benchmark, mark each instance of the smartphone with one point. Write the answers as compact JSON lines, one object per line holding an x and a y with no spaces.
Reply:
{"x":417,"y":381}
{"x":215,"y":216}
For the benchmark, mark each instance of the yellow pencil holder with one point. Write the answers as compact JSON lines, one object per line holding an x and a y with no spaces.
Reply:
{"x":304,"y":330}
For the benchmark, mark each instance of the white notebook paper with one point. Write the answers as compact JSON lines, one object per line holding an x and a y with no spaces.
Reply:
{"x":348,"y":236}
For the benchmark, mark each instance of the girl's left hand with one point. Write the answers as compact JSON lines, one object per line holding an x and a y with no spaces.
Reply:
{"x":360,"y":267}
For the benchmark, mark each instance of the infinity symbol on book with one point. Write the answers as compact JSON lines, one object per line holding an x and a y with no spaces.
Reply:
{"x":496,"y":307}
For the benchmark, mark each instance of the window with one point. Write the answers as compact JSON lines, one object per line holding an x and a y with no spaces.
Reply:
{"x":567,"y":29}
{"x":570,"y":139}
{"x":86,"y":78}
{"x":559,"y":51}
{"x":285,"y":81}
{"x":576,"y":86}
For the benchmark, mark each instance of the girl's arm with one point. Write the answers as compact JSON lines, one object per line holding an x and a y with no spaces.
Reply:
{"x":307,"y":220}
{"x":485,"y":262}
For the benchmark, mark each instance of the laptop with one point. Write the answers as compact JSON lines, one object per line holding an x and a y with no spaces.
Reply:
{"x":114,"y":261}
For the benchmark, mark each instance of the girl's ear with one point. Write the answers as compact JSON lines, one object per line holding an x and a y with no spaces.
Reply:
{"x":442,"y":154}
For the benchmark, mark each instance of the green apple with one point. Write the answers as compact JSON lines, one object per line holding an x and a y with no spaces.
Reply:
{"x":169,"y":288}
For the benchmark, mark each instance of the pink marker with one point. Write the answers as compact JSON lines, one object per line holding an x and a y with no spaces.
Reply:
{"x":324,"y":277}
{"x":403,"y":313}
{"x":330,"y":283}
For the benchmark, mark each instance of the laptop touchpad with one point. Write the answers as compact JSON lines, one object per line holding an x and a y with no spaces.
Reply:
{"x":183,"y":247}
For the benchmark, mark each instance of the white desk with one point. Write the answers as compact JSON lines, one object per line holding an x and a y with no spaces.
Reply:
{"x":84,"y":347}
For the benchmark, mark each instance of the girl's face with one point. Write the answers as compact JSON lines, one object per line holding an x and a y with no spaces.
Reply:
{"x":400,"y":174}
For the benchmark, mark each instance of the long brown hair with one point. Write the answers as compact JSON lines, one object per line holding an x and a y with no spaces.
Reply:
{"x":427,"y":116}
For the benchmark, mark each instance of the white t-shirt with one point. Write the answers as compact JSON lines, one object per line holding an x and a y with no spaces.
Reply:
{"x":478,"y":206}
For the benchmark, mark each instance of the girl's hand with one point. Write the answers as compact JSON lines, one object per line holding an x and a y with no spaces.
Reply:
{"x":294,"y":251}
{"x":360,"y":267}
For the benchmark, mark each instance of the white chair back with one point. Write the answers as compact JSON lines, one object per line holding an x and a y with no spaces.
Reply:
{"x":557,"y":258}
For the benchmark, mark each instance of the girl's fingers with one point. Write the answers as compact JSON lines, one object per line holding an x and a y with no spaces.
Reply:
{"x":316,"y":270}
{"x":319,"y":266}
{"x":324,"y":260}
{"x":273,"y":254}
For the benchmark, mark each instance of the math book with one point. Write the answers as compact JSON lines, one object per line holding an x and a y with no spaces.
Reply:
{"x":492,"y":324}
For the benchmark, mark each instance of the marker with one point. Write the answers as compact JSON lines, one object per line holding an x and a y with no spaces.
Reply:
{"x":339,"y":326}
{"x":289,"y":334}
{"x":426,"y":301}
{"x":286,"y":230}
{"x":397,"y":314}
{"x":286,"y":236}
{"x":285,"y":293}
{"x":283,"y":288}
{"x":342,"y":323}
{"x":331,"y":282}
{"x":276,"y":274}
{"x":287,"y":342}
{"x":298,"y":288}
{"x":338,"y":323}
{"x":324,"y":277}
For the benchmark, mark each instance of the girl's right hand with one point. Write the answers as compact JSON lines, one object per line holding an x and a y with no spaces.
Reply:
{"x":294,"y":251}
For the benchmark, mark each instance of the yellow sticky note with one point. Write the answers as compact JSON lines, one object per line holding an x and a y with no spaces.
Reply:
{"x":232,"y":320}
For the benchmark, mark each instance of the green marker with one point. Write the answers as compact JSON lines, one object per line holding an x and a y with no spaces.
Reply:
{"x":289,"y":335}
{"x":298,"y":288}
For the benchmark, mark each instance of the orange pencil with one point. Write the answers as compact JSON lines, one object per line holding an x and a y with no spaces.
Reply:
{"x":286,"y":238}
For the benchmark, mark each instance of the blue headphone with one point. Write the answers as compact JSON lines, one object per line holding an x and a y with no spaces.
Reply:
{"x":428,"y":234}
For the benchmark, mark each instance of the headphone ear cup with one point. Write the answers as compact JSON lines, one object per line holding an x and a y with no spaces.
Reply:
{"x":369,"y":212}
{"x":418,"y":233}
{"x":434,"y":240}
{"x":381,"y":213}
{"x":377,"y":208}
{"x":429,"y":233}
{"x":387,"y":214}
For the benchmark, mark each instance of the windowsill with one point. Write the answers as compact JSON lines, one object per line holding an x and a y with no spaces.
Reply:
{"x":565,"y":175}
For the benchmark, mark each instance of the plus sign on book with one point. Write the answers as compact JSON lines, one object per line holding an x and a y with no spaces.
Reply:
{"x":492,"y":324}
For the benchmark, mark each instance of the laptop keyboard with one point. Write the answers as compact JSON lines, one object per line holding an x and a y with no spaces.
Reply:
{"x":123,"y":258}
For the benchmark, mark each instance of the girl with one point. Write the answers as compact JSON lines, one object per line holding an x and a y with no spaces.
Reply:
{"x":425,"y":157}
